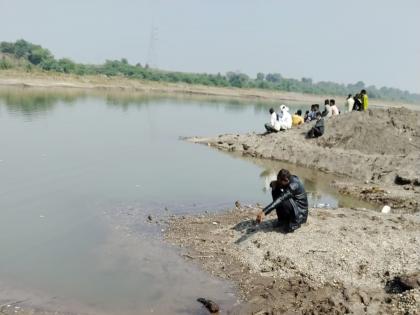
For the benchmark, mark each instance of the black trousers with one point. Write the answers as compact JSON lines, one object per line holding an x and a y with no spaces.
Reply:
{"x":270,"y":128}
{"x":285,"y":212}
{"x":314,"y":133}
{"x":286,"y":216}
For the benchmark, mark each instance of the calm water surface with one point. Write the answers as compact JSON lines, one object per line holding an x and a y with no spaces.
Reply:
{"x":70,"y":160}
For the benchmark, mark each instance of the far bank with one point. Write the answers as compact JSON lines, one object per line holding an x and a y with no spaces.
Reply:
{"x":49,"y":80}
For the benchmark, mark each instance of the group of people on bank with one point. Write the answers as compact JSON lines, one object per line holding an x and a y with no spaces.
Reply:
{"x":289,"y":196}
{"x":283,"y":120}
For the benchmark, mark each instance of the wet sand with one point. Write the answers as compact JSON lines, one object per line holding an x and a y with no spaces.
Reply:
{"x":340,"y":261}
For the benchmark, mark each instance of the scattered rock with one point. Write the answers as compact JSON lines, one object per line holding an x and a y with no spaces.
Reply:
{"x":411,"y":281}
{"x":402,"y":180}
{"x":386,"y":209}
{"x":211,"y":306}
{"x":149,"y":218}
{"x":403,"y":283}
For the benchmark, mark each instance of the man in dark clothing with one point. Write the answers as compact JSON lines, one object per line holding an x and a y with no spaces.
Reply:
{"x":317,"y":130}
{"x":289,"y":200}
{"x":358,"y":103}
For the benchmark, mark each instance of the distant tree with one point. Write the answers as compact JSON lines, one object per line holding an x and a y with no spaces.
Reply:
{"x":39,"y":54}
{"x":22,"y":48}
{"x":237,"y":79}
{"x":260,"y":76}
{"x":273,"y":77}
{"x":8,"y":48}
{"x":306,"y":80}
{"x":66,"y":65}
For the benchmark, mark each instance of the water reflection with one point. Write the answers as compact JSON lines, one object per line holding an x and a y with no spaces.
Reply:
{"x":318,"y":185}
{"x":35,"y":101}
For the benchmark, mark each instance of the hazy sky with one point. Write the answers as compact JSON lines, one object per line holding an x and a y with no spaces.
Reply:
{"x":375,"y":41}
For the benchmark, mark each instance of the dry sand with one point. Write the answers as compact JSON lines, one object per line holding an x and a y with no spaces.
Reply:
{"x":341,"y":261}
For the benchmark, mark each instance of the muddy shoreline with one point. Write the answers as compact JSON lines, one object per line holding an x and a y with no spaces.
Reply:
{"x":345,"y":266}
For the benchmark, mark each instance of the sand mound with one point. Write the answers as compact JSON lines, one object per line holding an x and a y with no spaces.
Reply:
{"x":391,"y":131}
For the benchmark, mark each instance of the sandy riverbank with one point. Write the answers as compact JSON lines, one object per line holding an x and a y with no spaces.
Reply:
{"x":378,"y":151}
{"x":346,"y":260}
{"x":51,"y":80}
{"x":341,"y":261}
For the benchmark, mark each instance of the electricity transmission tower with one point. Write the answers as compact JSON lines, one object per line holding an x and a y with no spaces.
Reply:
{"x":152,"y":53}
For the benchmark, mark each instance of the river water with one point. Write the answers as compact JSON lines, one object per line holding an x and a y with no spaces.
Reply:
{"x":72,"y":161}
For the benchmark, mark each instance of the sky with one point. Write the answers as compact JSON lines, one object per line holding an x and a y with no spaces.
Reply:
{"x":375,"y":41}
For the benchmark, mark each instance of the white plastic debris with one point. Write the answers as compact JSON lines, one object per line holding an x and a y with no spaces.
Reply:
{"x":215,"y":223}
{"x":386,"y":209}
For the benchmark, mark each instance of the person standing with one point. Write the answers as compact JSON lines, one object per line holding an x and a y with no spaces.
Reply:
{"x":365,"y":100}
{"x":274,"y":124}
{"x":357,"y":102}
{"x":289,"y":200}
{"x":349,"y":103}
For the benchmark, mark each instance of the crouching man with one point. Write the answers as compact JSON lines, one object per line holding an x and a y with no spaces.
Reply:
{"x":289,"y":200}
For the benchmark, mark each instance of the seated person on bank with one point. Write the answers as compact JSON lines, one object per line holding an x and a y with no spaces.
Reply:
{"x":274,"y":125}
{"x":285,"y":119}
{"x":333,"y":108}
{"x":289,"y":200}
{"x":317,"y":130}
{"x":297,"y":118}
{"x":327,"y":109}
{"x":312,"y":113}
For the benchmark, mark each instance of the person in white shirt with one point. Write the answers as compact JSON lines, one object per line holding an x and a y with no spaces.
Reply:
{"x":334,"y":109}
{"x":274,"y":125}
{"x":350,"y":103}
{"x":285,"y":118}
{"x":327,"y":110}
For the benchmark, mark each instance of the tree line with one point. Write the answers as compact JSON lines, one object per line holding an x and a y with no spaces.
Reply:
{"x":25,"y":54}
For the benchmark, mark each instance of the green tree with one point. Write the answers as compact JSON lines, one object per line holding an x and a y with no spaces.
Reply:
{"x":260,"y":76}
{"x":38,"y":55}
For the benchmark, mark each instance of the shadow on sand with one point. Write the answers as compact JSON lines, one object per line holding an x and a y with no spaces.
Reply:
{"x":249,"y":227}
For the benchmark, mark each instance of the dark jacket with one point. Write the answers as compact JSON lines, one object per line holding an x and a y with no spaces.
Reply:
{"x":320,"y":125}
{"x":296,"y":194}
